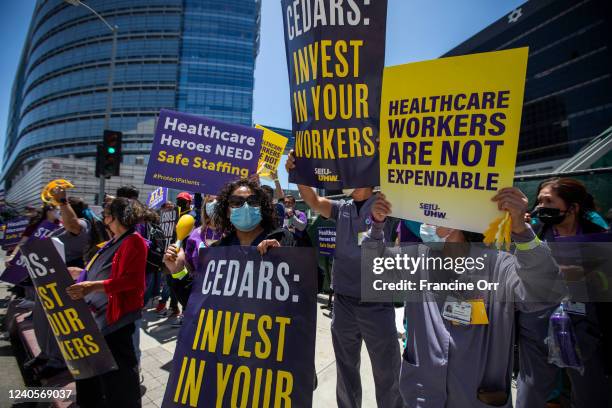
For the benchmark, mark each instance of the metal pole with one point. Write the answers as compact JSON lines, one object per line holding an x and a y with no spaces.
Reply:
{"x":109,"y":105}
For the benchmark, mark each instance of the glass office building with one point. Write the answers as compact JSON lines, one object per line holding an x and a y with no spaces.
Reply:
{"x":568,"y":93}
{"x":196,"y":56}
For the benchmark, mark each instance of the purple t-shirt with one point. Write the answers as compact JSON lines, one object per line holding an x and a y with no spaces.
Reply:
{"x":197,"y":237}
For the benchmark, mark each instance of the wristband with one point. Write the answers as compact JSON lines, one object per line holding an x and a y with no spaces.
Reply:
{"x":526,"y":246}
{"x":180,"y":274}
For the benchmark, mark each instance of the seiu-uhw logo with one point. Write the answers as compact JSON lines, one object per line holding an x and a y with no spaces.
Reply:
{"x":432,"y":210}
{"x":324,"y":174}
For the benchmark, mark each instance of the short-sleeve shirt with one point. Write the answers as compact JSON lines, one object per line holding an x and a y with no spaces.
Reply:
{"x":197,"y":238}
{"x":350,"y":226}
{"x":75,"y":245}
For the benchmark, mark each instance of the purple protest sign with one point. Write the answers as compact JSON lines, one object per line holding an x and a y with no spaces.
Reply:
{"x":327,"y":241}
{"x":83,"y":347}
{"x":15,"y":271}
{"x":244,"y":342}
{"x":157,"y":197}
{"x":14,"y":230}
{"x":194,"y":153}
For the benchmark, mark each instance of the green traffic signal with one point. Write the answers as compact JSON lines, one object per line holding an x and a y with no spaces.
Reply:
{"x":111,"y":150}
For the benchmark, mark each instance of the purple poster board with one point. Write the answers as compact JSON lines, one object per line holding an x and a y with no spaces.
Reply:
{"x":157,"y":197}
{"x":244,"y":343}
{"x":335,"y":79}
{"x":15,"y":272}
{"x":82,"y":345}
{"x":327,"y":241}
{"x":13,"y":232}
{"x":194,"y":153}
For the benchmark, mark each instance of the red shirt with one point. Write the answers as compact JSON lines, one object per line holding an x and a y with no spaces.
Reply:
{"x":126,"y":286}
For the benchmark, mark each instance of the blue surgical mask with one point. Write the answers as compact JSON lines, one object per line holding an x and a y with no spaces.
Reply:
{"x":428,"y":234}
{"x":245,"y":218}
{"x":210,"y":208}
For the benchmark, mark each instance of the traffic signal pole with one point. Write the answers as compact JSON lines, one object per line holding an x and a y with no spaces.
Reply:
{"x":109,"y":106}
{"x":111,"y":75}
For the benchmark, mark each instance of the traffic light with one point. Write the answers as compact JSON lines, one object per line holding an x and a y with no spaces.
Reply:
{"x":108,"y":159}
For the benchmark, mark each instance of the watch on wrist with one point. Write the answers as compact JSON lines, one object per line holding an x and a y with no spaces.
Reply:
{"x":63,"y":200}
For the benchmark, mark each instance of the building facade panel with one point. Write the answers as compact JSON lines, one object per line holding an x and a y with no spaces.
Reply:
{"x":568,"y":93}
{"x":195,"y":56}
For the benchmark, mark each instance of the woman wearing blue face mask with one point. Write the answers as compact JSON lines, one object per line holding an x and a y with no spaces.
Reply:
{"x":245,"y":215}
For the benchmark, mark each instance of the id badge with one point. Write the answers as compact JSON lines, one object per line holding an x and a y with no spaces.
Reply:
{"x":457,"y":312}
{"x":360,"y":237}
{"x":577,"y":308}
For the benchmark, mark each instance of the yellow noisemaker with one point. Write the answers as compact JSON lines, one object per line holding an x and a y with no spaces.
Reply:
{"x":184,"y":226}
{"x":45,"y":194}
{"x":499,"y":232}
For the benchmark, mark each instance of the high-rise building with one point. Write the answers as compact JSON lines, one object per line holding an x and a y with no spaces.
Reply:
{"x":568,"y":93}
{"x":196,"y":56}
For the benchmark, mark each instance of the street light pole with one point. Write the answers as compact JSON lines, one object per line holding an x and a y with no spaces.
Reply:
{"x":111,"y":77}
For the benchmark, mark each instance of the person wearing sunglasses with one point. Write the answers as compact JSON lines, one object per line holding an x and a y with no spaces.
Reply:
{"x":245,"y":215}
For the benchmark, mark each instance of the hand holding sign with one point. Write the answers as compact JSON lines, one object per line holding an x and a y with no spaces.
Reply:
{"x":82,"y":289}
{"x":513,"y":200}
{"x":290,"y":163}
{"x":381,"y":208}
{"x":263,"y":246}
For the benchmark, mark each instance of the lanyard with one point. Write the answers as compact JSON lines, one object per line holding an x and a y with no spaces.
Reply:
{"x":106,"y":244}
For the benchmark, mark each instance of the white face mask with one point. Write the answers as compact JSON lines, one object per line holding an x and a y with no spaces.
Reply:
{"x":348,"y":191}
{"x":429,"y":233}
{"x":210,"y":208}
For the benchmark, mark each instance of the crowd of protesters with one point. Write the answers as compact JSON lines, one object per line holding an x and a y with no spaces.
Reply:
{"x":121,"y":264}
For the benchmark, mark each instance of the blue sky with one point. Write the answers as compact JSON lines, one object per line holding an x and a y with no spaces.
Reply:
{"x":416,"y":30}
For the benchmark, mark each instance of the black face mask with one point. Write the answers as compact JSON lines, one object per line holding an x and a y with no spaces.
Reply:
{"x":549,"y":216}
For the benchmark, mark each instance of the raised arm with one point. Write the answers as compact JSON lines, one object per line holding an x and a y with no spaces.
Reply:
{"x":532,"y":272}
{"x":278,"y":190}
{"x":69,"y":217}
{"x":318,"y":204}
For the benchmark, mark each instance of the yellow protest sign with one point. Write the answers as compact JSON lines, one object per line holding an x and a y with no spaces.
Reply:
{"x":272,"y":148}
{"x":449,"y":132}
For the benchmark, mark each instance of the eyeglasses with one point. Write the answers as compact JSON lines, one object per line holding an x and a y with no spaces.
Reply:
{"x":235,"y":201}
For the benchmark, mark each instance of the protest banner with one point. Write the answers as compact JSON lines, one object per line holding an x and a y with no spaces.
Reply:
{"x":157,"y":197}
{"x":248,"y":335}
{"x":13,"y":231}
{"x":80,"y":341}
{"x":327,"y":240}
{"x":272,"y":148}
{"x":449,"y":136}
{"x":195,"y":153}
{"x":15,"y":271}
{"x":335,"y":58}
{"x":167,"y":221}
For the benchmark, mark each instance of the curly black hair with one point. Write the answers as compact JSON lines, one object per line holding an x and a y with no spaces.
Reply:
{"x":222,"y":219}
{"x":127,"y":212}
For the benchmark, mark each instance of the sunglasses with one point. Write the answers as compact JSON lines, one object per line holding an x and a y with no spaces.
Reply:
{"x":235,"y":201}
